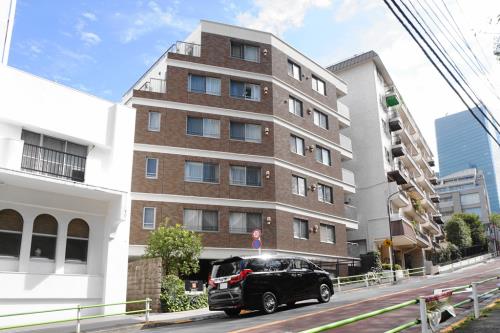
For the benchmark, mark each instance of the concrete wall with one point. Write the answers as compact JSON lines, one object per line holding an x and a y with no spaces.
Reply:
{"x":144,"y":281}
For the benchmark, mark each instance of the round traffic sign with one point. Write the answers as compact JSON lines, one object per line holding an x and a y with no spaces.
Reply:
{"x":388,"y":243}
{"x":256,"y":244}
{"x":256,"y":234}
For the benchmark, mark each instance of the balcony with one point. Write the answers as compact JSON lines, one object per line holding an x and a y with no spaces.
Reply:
{"x":434,"y":197}
{"x":423,"y":240}
{"x":154,"y":85}
{"x":398,"y":175}
{"x":401,"y":200}
{"x":395,"y":121}
{"x":345,"y":142}
{"x":438,"y":218}
{"x":184,"y":48}
{"x":431,"y":162}
{"x":348,"y":176}
{"x":433,"y":180}
{"x":398,"y":148}
{"x":343,"y":110}
{"x":54,"y":163}
{"x":402,"y":231}
{"x":392,"y":97}
{"x":350,"y":212}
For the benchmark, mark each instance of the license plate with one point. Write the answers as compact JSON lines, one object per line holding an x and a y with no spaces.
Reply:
{"x":223,"y":285}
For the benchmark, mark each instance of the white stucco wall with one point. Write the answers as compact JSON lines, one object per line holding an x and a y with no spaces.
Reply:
{"x":102,"y":200}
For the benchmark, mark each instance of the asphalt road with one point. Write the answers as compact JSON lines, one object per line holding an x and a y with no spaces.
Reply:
{"x":347,"y":304}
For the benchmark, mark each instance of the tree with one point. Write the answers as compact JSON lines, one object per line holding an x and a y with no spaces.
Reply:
{"x":476,"y":227}
{"x":495,"y":219}
{"x":178,"y":248}
{"x":458,"y":232}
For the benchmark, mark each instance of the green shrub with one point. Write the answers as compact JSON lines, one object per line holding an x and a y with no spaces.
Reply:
{"x":173,"y":298}
{"x":387,"y":267}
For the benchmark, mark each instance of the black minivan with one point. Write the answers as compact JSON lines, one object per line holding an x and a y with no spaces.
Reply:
{"x":265,"y":282}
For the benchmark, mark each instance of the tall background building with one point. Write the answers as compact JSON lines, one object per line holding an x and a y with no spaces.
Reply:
{"x":463,"y":144}
{"x":236,"y":130}
{"x":392,"y":163}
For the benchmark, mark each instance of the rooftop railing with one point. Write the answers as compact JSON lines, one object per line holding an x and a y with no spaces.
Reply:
{"x":185,"y":49}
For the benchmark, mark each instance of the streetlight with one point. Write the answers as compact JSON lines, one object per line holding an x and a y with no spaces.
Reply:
{"x":391,"y":247}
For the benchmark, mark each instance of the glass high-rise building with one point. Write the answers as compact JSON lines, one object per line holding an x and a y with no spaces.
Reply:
{"x":463,"y":144}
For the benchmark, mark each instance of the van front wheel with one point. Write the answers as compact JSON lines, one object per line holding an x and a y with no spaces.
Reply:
{"x":324,"y":293}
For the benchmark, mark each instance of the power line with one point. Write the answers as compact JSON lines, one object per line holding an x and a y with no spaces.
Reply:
{"x":433,"y":62}
{"x":449,"y":59}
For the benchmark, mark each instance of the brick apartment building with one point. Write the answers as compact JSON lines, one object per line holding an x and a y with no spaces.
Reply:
{"x":235,"y":131}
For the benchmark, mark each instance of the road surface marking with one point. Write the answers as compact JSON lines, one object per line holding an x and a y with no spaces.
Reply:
{"x":352,"y":304}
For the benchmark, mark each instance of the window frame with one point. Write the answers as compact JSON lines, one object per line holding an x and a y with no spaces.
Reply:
{"x":321,"y":148}
{"x":294,"y":65}
{"x":328,"y":226}
{"x":315,"y":86}
{"x":202,"y":212}
{"x":300,"y":221}
{"x":294,"y":100}
{"x":243,"y":46}
{"x":203,"y":135}
{"x":144,"y":217}
{"x":203,"y":181}
{"x":246,"y":222}
{"x":245,"y":139}
{"x":246,"y":177}
{"x":323,"y":186}
{"x":189,"y":88}
{"x":245,"y":84}
{"x":295,"y":138}
{"x":296,"y":179}
{"x":320,"y":114}
{"x":156,"y":169}
{"x":150,"y":129}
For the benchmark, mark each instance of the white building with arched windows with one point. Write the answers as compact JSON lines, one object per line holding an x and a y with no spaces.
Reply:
{"x":65,"y":170}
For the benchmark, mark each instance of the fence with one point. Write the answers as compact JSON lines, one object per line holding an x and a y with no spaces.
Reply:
{"x":372,"y":278}
{"x":422,"y":302}
{"x":78,"y":318}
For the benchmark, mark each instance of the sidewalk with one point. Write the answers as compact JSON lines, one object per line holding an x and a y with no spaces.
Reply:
{"x":123,"y":323}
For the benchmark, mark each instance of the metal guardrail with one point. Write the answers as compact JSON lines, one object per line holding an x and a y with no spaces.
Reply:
{"x":78,"y":318}
{"x":372,"y":277}
{"x":422,"y":301}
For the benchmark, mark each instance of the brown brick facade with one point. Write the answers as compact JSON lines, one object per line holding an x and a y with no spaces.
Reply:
{"x":276,"y":188}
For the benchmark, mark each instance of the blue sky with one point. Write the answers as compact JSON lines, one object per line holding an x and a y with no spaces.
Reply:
{"x":103,"y":47}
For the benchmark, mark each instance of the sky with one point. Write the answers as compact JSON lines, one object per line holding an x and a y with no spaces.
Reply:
{"x":103,"y":47}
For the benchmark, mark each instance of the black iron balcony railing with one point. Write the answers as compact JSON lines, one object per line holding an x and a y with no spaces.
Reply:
{"x":53,"y":162}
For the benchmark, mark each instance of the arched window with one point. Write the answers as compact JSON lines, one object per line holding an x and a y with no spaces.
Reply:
{"x":78,"y":241}
{"x":11,"y":232}
{"x":43,"y":241}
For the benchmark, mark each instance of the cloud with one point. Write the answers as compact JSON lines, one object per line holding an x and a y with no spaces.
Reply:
{"x":150,"y":18}
{"x":90,"y":16}
{"x":90,"y":38}
{"x":349,"y":8}
{"x":279,"y":15}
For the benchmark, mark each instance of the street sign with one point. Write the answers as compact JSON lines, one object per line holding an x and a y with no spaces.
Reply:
{"x":388,"y":243}
{"x":256,"y":234}
{"x":256,"y":244}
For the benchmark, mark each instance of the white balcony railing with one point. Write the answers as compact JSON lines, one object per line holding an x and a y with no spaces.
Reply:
{"x":345,"y":142}
{"x":343,"y":109}
{"x":348,"y":176}
{"x":155,"y":85}
{"x":350,"y":212}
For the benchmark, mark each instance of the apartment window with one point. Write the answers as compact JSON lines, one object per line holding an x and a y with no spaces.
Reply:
{"x":151,"y":167}
{"x":323,"y":155}
{"x":327,"y":233}
{"x":294,"y":70}
{"x":245,"y":51}
{"x":318,"y":85}
{"x":154,"y":121}
{"x":201,"y":220}
{"x":320,"y":119}
{"x":245,"y":90}
{"x":77,"y":241}
{"x":149,"y":218}
{"x":325,"y":193}
{"x":387,"y":155}
{"x":470,"y":199}
{"x":204,"y":84}
{"x":295,"y":106}
{"x":11,"y":232}
{"x":385,"y":128}
{"x":475,"y":210}
{"x":297,"y":145}
{"x":44,"y":239}
{"x":206,"y":127}
{"x":298,"y":185}
{"x":201,"y":172}
{"x":245,"y":132}
{"x":245,"y":176}
{"x":244,"y":222}
{"x":300,"y":228}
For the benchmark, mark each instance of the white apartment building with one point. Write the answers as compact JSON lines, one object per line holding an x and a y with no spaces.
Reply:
{"x":65,"y":170}
{"x":392,"y":163}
